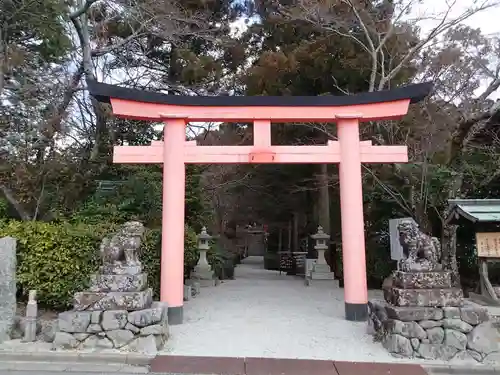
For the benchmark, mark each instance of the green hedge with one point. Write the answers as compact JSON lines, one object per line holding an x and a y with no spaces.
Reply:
{"x":54,"y":259}
{"x":57,"y":259}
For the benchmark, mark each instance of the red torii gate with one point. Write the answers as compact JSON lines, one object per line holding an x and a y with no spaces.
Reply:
{"x":174,"y":152}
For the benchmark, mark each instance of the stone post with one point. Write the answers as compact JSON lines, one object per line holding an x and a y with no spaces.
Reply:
{"x":203,"y":271}
{"x":321,"y":270}
{"x":7,"y":286}
{"x":31,"y":316}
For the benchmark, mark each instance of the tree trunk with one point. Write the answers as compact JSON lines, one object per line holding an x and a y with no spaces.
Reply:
{"x":289,"y":249}
{"x":280,"y":239}
{"x":9,"y":195}
{"x":295,"y":231}
{"x":81,"y":23}
{"x":324,"y":208}
{"x":324,"y":199}
{"x":449,"y":236}
{"x":3,"y":60}
{"x":449,"y":252}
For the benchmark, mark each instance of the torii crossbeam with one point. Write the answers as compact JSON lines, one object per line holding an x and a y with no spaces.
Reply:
{"x":174,"y":152}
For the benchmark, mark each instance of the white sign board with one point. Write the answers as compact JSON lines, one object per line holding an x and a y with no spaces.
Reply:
{"x":396,"y":248}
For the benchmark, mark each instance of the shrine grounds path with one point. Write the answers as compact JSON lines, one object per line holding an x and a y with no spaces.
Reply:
{"x":267,"y":315}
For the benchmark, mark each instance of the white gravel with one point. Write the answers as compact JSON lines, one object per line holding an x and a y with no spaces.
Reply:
{"x":264,"y":314}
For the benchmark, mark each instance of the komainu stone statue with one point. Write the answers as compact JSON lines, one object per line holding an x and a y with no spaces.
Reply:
{"x":422,"y":252}
{"x":123,"y":247}
{"x":423,"y":314}
{"x":420,"y":280}
{"x":117,"y":311}
{"x":120,"y":282}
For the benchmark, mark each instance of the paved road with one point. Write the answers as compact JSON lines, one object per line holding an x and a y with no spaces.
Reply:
{"x":73,"y":372}
{"x":49,"y":368}
{"x":16,"y":372}
{"x":25,"y":368}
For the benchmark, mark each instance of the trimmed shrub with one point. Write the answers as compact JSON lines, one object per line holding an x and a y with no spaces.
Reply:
{"x":272,"y":261}
{"x":54,"y":259}
{"x":57,"y":259}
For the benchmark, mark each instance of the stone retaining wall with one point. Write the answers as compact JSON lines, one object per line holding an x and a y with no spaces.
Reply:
{"x":144,"y":331}
{"x":435,"y":333}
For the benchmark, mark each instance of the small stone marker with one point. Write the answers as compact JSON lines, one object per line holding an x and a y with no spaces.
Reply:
{"x":31,"y":316}
{"x":195,"y":288}
{"x":187,"y":292}
{"x":7,"y":286}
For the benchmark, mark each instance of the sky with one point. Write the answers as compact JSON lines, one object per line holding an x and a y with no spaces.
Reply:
{"x":487,"y":20}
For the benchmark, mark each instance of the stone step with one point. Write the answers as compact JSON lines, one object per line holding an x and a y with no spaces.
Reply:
{"x":438,"y":297}
{"x":322,"y":276}
{"x":321,"y":268}
{"x":130,"y":301}
{"x":333,"y":283}
{"x":422,"y":280}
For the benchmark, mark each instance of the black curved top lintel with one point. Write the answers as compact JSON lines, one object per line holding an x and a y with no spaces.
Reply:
{"x":104,"y":92}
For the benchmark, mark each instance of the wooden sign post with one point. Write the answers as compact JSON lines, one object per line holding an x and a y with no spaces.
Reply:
{"x":488,"y":250}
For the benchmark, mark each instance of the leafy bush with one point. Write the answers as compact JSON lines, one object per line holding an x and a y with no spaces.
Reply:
{"x":3,"y":208}
{"x":56,"y":259}
{"x":137,"y":195}
{"x":221,"y":261}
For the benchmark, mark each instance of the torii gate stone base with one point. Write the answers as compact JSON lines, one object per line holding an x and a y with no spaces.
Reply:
{"x":174,"y":152}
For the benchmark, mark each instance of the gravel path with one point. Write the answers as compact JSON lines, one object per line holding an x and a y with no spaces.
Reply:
{"x":264,"y":314}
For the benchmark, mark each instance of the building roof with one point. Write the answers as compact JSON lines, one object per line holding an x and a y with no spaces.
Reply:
{"x":415,"y":93}
{"x":475,"y":210}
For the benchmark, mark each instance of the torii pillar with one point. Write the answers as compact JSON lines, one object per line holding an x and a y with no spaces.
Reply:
{"x":352,"y":218}
{"x":174,"y":152}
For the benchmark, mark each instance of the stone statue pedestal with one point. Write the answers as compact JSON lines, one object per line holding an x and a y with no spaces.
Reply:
{"x":423,"y":289}
{"x":122,"y":288}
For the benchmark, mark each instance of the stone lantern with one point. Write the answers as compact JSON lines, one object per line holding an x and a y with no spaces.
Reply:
{"x":320,"y":237}
{"x":203,"y":246}
{"x":203,"y":271}
{"x":321,"y":270}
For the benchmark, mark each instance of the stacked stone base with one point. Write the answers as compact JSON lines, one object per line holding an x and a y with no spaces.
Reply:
{"x":423,"y":289}
{"x":435,"y":333}
{"x":144,"y":331}
{"x":204,"y":276}
{"x":322,"y":272}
